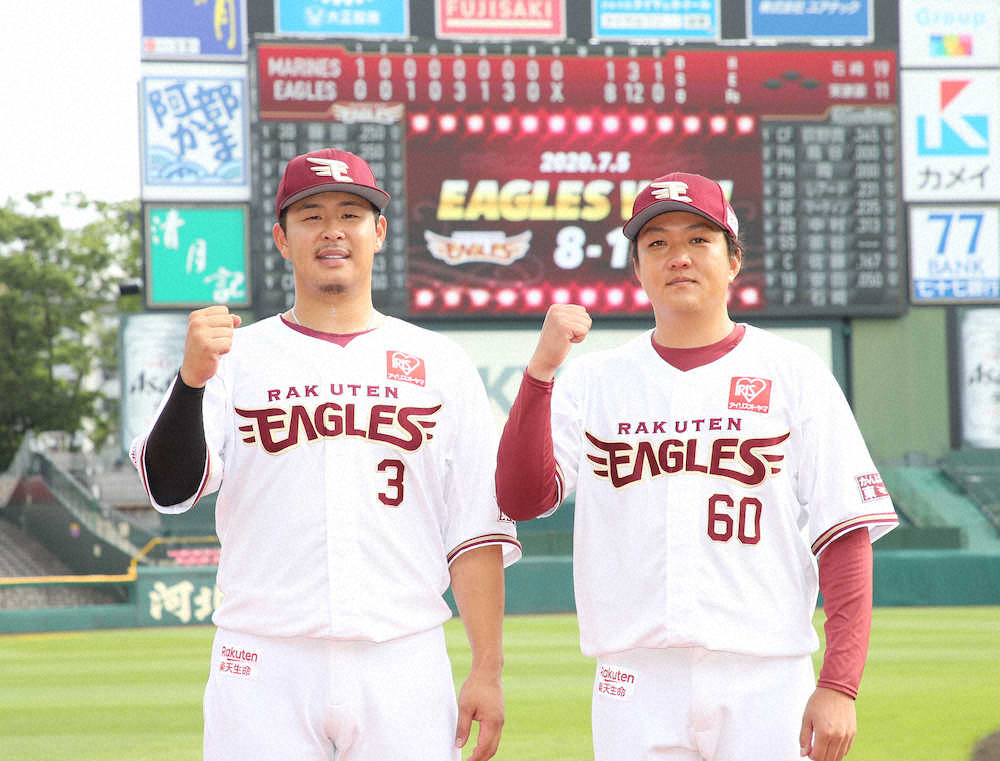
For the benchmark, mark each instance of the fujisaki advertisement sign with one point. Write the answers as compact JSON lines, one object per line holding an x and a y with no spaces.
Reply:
{"x":501,"y":19}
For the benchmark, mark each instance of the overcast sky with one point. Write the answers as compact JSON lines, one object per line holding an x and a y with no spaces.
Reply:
{"x":68,"y":113}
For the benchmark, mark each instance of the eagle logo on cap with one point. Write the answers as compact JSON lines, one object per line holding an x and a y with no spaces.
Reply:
{"x":671,"y":191}
{"x":330,"y":168}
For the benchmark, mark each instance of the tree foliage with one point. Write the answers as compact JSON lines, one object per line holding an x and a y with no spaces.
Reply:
{"x":59,"y":301}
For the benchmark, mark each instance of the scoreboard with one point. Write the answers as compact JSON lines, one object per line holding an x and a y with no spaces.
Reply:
{"x":512,"y":168}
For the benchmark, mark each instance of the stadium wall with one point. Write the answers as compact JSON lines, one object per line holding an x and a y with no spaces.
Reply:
{"x":180,"y":596}
{"x":899,"y":383}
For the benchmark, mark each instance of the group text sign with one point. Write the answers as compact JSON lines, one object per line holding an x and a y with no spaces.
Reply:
{"x":951,"y":135}
{"x":944,"y":33}
{"x":195,"y":144}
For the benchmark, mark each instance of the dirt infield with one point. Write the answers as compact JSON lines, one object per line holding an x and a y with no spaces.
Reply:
{"x":987,"y":749}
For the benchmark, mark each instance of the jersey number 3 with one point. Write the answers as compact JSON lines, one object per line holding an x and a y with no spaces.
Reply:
{"x":724,"y":519}
{"x":393,"y":494}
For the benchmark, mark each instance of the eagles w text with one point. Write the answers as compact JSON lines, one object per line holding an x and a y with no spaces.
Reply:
{"x":277,"y":430}
{"x":747,"y":461}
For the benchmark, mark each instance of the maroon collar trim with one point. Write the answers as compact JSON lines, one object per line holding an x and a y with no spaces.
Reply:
{"x":341,"y":339}
{"x":688,"y":359}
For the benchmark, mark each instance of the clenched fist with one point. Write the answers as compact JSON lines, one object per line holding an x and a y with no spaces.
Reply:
{"x":565,"y":325}
{"x":209,"y":336}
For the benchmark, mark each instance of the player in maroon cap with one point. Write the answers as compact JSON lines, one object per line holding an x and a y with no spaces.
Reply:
{"x":354,"y":457}
{"x":720,"y":481}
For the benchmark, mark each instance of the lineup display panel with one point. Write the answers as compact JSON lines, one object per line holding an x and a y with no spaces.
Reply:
{"x":513,"y":168}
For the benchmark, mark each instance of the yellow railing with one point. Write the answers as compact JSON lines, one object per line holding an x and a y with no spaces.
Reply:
{"x":104,"y":578}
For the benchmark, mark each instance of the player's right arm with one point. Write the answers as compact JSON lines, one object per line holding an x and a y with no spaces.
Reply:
{"x":527,"y":481}
{"x":175,"y":451}
{"x":564,"y":325}
{"x":209,"y":337}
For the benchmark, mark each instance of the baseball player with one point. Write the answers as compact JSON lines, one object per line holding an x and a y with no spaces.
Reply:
{"x":715,"y":466}
{"x":353,"y":455}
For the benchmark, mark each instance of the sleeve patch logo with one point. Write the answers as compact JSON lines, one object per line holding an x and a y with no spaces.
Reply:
{"x":400,"y":366}
{"x":750,"y":394}
{"x":871,"y":487}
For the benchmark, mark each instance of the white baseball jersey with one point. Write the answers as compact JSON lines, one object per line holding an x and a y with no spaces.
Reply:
{"x":349,"y":477}
{"x":703,"y":497}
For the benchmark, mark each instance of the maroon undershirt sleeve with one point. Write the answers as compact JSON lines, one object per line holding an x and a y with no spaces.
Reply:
{"x":845,"y":580}
{"x":526,"y":480}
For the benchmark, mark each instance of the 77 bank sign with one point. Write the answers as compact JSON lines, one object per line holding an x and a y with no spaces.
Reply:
{"x":955,"y":253}
{"x":951,"y":135}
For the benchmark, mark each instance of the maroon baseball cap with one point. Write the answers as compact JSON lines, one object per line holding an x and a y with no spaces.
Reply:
{"x":681,"y":191}
{"x":325,"y":170}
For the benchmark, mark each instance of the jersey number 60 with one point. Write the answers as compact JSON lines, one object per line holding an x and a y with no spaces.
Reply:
{"x":721,"y":520}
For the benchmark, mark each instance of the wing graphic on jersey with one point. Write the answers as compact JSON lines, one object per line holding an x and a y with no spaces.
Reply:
{"x":772,"y":460}
{"x":251,"y":434}
{"x":601,"y":462}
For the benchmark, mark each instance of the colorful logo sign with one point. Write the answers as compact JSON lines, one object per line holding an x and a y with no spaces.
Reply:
{"x":954,"y":130}
{"x":950,"y":45}
{"x":951,"y":119}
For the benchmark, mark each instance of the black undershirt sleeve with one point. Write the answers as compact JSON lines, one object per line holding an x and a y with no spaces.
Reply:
{"x":175,"y":448}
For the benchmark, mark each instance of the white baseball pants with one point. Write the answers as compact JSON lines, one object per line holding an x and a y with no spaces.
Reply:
{"x":274,"y":699}
{"x":692,"y":704}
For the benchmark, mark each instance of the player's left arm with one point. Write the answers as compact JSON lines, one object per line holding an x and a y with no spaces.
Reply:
{"x":829,"y":723}
{"x":477,"y":582}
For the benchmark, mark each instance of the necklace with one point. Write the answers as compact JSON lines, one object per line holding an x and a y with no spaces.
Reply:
{"x":371,"y":322}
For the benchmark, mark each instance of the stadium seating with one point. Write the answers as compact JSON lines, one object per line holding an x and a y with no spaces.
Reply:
{"x":976,"y":472}
{"x":194,"y":555}
{"x":21,"y":556}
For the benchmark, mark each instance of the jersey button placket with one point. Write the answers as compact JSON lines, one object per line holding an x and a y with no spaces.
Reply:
{"x":682,"y":525}
{"x":342,"y":526}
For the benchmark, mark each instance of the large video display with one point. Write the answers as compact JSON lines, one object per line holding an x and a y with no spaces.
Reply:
{"x":513,"y":168}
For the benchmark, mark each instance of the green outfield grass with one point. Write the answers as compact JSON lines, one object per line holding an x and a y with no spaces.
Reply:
{"x":931,"y":690}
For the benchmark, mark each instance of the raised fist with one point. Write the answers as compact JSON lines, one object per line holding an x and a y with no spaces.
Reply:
{"x":565,"y":325}
{"x":209,"y":336}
